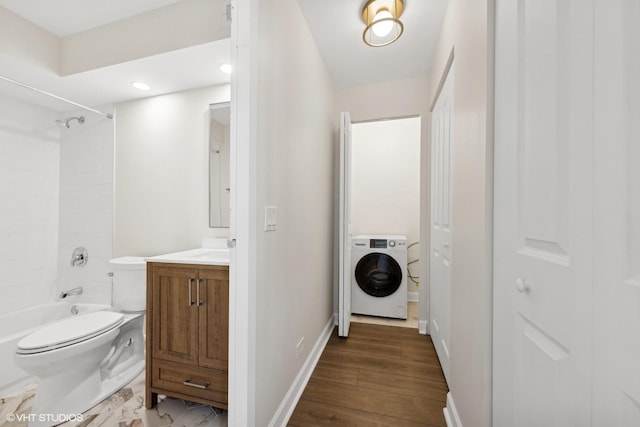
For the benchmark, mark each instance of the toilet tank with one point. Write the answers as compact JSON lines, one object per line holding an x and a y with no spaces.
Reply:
{"x":129,"y":283}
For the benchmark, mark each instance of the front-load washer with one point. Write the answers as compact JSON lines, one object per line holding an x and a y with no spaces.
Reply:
{"x":379,"y":279}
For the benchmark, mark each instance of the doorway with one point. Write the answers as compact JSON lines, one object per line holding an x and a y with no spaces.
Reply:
{"x":385,"y":209}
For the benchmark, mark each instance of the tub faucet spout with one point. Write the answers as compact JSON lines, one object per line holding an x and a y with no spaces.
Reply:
{"x":69,"y":292}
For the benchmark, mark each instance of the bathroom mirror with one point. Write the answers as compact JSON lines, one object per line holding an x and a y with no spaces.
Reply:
{"x":219,"y":164}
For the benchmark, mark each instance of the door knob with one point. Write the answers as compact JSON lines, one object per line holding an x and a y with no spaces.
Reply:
{"x":522,"y":285}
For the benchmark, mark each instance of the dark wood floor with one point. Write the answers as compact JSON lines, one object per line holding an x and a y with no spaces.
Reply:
{"x":380,"y":376}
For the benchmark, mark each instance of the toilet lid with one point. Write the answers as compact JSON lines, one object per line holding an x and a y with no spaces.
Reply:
{"x":69,"y":331}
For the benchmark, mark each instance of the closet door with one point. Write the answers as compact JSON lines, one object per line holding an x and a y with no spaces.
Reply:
{"x":543,"y":230}
{"x":616,"y":383}
{"x":344,"y":251}
{"x":441,"y":225}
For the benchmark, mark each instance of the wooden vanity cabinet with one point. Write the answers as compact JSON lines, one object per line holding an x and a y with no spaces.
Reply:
{"x":187,"y":333}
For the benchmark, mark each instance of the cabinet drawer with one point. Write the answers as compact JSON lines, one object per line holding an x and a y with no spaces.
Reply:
{"x":207,"y":384}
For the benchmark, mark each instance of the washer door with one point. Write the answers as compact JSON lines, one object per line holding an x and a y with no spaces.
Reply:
{"x":378,"y":274}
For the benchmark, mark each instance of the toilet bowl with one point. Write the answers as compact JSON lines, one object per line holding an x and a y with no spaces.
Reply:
{"x":83,"y":359}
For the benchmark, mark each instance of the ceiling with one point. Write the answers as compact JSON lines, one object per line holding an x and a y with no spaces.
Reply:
{"x":337,"y":27}
{"x":179,"y":70}
{"x":65,"y":17}
{"x":165,"y":73}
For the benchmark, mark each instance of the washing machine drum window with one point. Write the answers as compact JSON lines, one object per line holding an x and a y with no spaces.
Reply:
{"x":378,"y":274}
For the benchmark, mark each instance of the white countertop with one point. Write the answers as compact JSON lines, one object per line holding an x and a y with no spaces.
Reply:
{"x":206,"y":256}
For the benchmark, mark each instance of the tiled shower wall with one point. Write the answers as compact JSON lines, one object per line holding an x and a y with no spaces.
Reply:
{"x":86,"y":206}
{"x":29,"y":177}
{"x":56,"y":193}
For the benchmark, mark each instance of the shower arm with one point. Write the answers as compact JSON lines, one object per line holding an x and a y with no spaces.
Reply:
{"x":66,"y":122}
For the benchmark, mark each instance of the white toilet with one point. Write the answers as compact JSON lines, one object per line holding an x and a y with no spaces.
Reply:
{"x":83,"y":359}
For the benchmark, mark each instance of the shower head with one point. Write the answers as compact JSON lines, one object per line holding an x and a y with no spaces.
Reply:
{"x":66,"y":122}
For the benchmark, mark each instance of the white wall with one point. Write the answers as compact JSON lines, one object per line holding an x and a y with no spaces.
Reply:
{"x":179,"y":25}
{"x":296,"y":143}
{"x":398,"y":98}
{"x":385,"y":181}
{"x":29,"y":168}
{"x":86,"y":205}
{"x":467,"y":31}
{"x":176,"y":26}
{"x":162,"y":172}
{"x":26,"y":42}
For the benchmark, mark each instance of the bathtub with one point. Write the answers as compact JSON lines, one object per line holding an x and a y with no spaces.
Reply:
{"x":14,"y":326}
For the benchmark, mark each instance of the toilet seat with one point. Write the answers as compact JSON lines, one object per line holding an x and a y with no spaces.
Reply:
{"x":69,"y":331}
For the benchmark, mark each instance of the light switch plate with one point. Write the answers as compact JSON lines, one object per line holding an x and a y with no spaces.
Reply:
{"x":270,"y":218}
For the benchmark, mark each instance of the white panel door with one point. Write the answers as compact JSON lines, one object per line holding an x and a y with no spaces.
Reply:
{"x":344,"y":285}
{"x":440,"y":245}
{"x":616,"y":383}
{"x":543,"y":225}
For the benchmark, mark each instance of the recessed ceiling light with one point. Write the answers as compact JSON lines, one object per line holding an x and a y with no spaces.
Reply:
{"x":226,"y":68}
{"x":140,"y":85}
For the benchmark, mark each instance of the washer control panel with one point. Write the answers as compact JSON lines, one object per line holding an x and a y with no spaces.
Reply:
{"x":397,"y":243}
{"x":379,"y":242}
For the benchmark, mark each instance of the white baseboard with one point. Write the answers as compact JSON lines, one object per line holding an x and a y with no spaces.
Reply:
{"x":422,"y":327}
{"x":412,"y":297}
{"x":285,"y":410}
{"x":451,"y":414}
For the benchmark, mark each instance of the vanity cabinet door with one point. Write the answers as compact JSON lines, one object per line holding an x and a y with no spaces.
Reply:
{"x":175,"y":314}
{"x":214,"y":318}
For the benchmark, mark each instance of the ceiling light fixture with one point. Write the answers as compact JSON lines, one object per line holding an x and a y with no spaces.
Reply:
{"x":140,"y":85}
{"x":226,"y":68}
{"x":383,"y":25}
